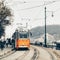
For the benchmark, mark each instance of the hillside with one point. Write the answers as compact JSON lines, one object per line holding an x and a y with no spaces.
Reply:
{"x":51,"y":29}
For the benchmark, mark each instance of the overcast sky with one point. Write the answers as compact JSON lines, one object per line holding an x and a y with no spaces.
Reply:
{"x":32,"y":12}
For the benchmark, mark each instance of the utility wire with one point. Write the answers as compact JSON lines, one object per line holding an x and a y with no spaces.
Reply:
{"x":39,"y":1}
{"x":47,"y":3}
{"x":50,"y":2}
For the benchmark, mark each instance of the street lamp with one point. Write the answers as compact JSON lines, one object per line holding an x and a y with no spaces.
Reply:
{"x":45,"y":26}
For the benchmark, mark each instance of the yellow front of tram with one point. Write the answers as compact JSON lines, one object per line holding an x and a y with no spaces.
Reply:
{"x":23,"y":41}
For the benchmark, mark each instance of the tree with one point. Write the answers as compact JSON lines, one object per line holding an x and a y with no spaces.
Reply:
{"x":4,"y":14}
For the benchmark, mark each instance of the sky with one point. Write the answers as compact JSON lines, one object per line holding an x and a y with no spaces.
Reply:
{"x":32,"y":12}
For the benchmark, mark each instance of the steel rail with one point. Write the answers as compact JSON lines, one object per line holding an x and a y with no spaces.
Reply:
{"x":8,"y":54}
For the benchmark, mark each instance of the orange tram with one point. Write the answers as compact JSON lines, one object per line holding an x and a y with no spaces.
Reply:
{"x":22,"y":40}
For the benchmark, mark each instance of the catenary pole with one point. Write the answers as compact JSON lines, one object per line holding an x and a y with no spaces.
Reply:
{"x":45,"y":28}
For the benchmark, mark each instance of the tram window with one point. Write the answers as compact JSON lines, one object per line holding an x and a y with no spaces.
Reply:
{"x":23,"y":36}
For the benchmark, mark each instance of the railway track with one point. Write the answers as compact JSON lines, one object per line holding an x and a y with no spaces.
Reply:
{"x":13,"y":55}
{"x":55,"y":53}
{"x":22,"y":56}
{"x":34,"y":53}
{"x":51,"y":56}
{"x":26,"y":55}
{"x":7,"y":54}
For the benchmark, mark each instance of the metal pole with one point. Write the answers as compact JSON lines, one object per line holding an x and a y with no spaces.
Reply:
{"x":45,"y":28}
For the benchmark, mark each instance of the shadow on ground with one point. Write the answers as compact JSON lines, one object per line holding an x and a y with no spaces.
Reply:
{"x":21,"y":49}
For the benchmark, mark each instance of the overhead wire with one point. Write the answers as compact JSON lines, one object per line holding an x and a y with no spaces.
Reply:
{"x":45,"y":3}
{"x":50,"y":2}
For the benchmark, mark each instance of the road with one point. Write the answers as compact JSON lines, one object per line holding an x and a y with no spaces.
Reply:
{"x":34,"y":53}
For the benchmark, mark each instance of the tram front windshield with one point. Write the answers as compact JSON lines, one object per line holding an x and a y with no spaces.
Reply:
{"x":23,"y":35}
